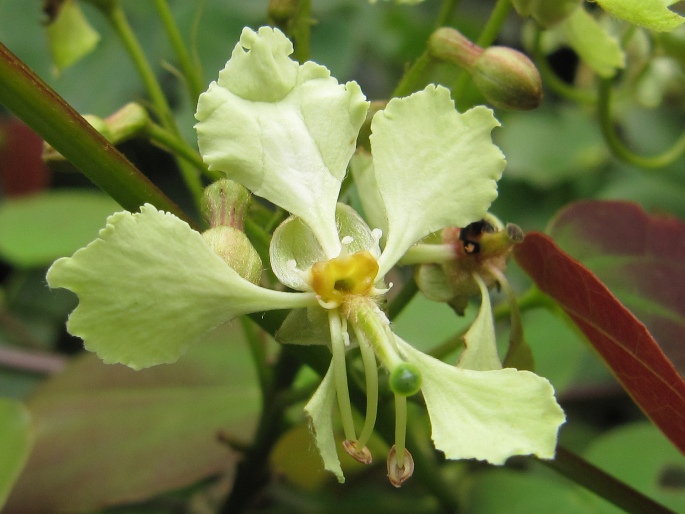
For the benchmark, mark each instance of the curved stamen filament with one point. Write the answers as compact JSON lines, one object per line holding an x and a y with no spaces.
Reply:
{"x":340,"y":373}
{"x":371,"y":375}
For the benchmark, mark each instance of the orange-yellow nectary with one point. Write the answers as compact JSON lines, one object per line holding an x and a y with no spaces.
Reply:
{"x":337,"y":278}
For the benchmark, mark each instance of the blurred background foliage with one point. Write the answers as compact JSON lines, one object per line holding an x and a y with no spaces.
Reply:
{"x":110,"y":440}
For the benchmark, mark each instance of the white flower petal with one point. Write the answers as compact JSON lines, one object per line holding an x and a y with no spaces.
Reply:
{"x":295,"y":241}
{"x":487,"y":415}
{"x":480,"y":352}
{"x":285,"y":131}
{"x":320,"y":412}
{"x":434,"y":166}
{"x":150,"y":286}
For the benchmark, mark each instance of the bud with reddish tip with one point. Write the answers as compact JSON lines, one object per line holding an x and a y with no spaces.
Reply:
{"x":224,"y":206}
{"x":506,"y":77}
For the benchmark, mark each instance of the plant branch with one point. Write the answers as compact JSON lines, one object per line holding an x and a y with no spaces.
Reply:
{"x":42,"y":109}
{"x":604,"y":485}
{"x":190,"y":71}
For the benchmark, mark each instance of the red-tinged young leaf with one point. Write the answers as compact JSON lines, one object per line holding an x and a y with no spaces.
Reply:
{"x":636,"y":255}
{"x":624,"y":343}
{"x":107,"y":435}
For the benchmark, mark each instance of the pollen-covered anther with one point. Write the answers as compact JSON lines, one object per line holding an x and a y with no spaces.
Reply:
{"x":364,"y":455}
{"x":344,"y":276}
{"x":398,"y":474}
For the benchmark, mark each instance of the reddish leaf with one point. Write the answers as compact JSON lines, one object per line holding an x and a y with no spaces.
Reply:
{"x":639,"y":257}
{"x":622,"y":341}
{"x":22,"y":170}
{"x":107,"y":435}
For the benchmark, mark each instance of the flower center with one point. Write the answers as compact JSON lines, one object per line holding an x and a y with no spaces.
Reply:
{"x":343,"y":276}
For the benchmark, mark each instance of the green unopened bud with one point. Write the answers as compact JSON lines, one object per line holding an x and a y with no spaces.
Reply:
{"x":449,"y":45}
{"x":281,"y":11}
{"x":233,"y":246}
{"x":405,"y":379}
{"x":225,"y":203}
{"x":224,"y":206}
{"x":128,"y":122}
{"x":508,"y":79}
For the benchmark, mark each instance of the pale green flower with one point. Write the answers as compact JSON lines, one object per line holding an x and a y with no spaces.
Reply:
{"x":150,"y":286}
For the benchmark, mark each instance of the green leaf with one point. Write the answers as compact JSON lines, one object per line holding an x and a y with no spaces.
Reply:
{"x":658,"y":473}
{"x":434,"y":167}
{"x":519,"y":492}
{"x":35,"y":230}
{"x":284,"y":131}
{"x":150,"y":286}
{"x":70,"y":35}
{"x":109,"y":435}
{"x":16,"y":440}
{"x":546,"y":12}
{"x":499,"y":413}
{"x":320,"y":412}
{"x":548,"y":147}
{"x":652,"y":14}
{"x":595,"y":46}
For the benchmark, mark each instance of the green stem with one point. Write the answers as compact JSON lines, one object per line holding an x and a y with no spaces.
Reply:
{"x":446,"y":10}
{"x":252,"y":472}
{"x":617,"y":147}
{"x":117,"y":18}
{"x":190,"y":71}
{"x":415,"y":76}
{"x":487,"y":36}
{"x":32,"y":100}
{"x":604,"y":485}
{"x":181,"y":148}
{"x":301,"y":25}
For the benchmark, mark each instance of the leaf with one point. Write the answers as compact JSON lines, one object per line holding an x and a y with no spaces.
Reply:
{"x":22,"y":170}
{"x":652,"y":14}
{"x":36,"y":230}
{"x":639,"y":257}
{"x":623,"y":342}
{"x":548,"y":147}
{"x":106,"y":434}
{"x":70,"y":35}
{"x":595,"y":46}
{"x":657,"y":473}
{"x":16,"y":439}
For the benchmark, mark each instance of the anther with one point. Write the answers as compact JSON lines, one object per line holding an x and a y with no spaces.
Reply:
{"x":399,"y":474}
{"x":364,"y":455}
